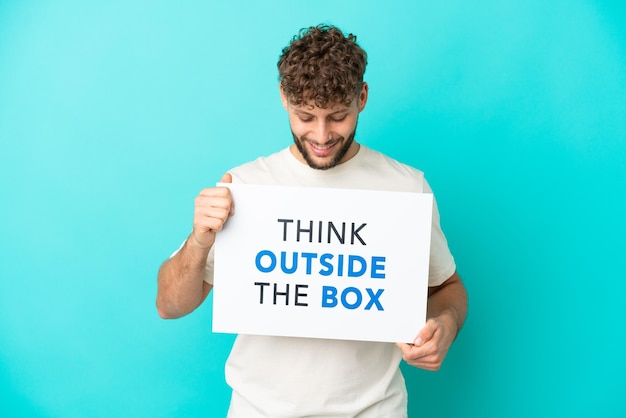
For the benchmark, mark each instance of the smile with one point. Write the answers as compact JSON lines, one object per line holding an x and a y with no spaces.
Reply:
{"x":322,"y":150}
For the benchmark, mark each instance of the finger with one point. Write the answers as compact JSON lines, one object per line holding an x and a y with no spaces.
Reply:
{"x":228,"y":178}
{"x":215,"y":191}
{"x":405,"y":348}
{"x":221,"y":191}
{"x":411,"y":352}
{"x":426,"y":333}
{"x":418,"y":358}
{"x":218,"y":202}
{"x":211,"y":225}
{"x":210,"y":217}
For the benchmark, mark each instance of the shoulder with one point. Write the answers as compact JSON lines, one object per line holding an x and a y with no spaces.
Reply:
{"x":397,"y":175}
{"x":383,"y":161}
{"x":258,"y":170}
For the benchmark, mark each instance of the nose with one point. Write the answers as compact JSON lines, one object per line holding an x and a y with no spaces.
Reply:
{"x":323,"y":134}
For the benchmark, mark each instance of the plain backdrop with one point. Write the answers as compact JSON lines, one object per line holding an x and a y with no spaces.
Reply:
{"x":114,"y":114}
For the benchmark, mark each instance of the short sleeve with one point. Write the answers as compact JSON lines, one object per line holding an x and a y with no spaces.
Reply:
{"x":442,"y":264}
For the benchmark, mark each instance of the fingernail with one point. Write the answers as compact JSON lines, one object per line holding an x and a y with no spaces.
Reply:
{"x":418,"y":341}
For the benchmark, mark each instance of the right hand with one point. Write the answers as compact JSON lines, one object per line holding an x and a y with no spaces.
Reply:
{"x":212,"y":208}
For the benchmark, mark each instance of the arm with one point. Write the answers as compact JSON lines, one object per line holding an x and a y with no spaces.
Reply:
{"x":447,"y":309}
{"x":181,"y":285}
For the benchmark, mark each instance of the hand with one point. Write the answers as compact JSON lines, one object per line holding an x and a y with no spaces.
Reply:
{"x":213,"y":206}
{"x":431,"y":344}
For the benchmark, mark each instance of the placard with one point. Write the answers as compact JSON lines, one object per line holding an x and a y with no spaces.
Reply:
{"x":323,"y":263}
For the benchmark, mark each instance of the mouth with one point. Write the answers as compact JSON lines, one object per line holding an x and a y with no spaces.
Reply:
{"x":322,"y":150}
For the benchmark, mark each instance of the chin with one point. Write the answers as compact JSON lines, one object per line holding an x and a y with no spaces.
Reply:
{"x":340,"y":149}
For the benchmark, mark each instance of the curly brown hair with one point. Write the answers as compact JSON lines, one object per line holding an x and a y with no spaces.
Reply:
{"x":323,"y":66}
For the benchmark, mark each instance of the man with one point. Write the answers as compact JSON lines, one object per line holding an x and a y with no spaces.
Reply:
{"x":322,"y":90}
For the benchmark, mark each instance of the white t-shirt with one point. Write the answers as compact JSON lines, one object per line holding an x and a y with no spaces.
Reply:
{"x":305,"y":377}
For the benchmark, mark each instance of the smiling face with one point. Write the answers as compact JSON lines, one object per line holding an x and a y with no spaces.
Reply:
{"x":324,"y":137}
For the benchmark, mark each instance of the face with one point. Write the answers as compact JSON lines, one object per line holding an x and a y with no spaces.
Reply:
{"x":324,"y":138}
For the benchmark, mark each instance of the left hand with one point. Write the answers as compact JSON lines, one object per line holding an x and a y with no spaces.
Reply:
{"x":431,"y":345}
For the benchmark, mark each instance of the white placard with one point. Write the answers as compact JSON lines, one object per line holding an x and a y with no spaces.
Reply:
{"x":323,"y":263}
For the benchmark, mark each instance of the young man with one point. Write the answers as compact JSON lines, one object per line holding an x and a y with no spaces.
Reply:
{"x":322,"y":90}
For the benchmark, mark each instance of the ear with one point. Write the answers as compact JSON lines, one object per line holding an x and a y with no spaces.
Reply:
{"x":363,"y":96}
{"x":283,"y":97}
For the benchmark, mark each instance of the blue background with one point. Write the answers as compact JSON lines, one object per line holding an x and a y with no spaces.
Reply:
{"x":114,"y":114}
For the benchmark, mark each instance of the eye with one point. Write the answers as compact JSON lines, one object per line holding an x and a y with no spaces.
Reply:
{"x":305,"y":119}
{"x":338,"y":118}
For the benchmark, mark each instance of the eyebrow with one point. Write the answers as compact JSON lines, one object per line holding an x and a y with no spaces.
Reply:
{"x":336,"y":112}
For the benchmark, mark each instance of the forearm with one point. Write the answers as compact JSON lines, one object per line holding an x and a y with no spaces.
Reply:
{"x":448,"y":303}
{"x":181,"y":287}
{"x":447,"y":308}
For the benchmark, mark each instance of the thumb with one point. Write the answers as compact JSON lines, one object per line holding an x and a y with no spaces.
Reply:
{"x":228,"y":178}
{"x":425,"y":334}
